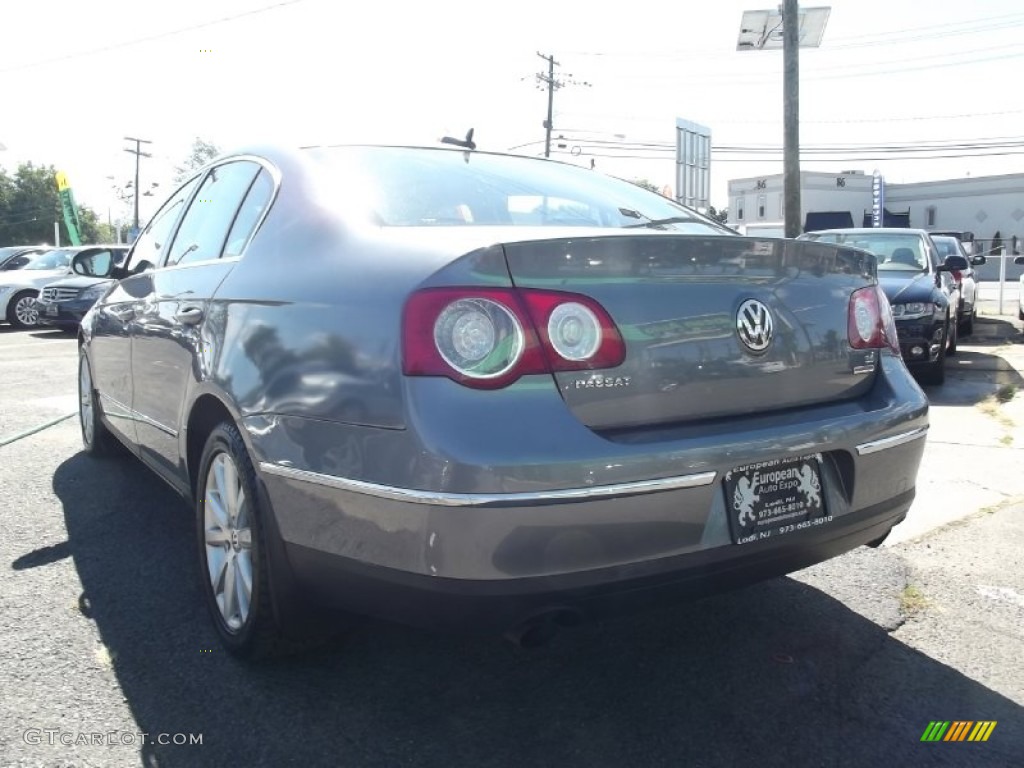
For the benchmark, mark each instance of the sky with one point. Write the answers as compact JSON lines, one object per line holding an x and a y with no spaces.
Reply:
{"x":77,"y":77}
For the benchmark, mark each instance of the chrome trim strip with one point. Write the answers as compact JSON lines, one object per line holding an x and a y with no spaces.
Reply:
{"x":414,"y":496}
{"x":156,"y":424}
{"x":875,"y":446}
{"x":120,"y":406}
{"x":136,"y":416}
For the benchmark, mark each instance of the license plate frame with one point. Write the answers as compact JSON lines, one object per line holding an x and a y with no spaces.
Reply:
{"x":769,"y":499}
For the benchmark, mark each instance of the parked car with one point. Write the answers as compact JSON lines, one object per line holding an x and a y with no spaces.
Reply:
{"x":920,"y":288}
{"x":966,"y":239}
{"x":456,"y":388}
{"x":19,"y":288}
{"x":948,"y":245}
{"x":1019,"y":261}
{"x":17,"y":256}
{"x":63,"y":303}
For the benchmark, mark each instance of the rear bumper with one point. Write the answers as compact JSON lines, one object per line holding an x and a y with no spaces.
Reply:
{"x":468,"y":605}
{"x":523,"y":537}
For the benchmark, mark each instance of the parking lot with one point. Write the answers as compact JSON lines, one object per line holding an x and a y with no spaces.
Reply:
{"x":845,"y":663}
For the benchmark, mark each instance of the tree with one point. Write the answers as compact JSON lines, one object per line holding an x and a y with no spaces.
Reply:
{"x":720,"y":216}
{"x":202,"y":153}
{"x":29,"y":205}
{"x":650,"y":186}
{"x":997,"y":243}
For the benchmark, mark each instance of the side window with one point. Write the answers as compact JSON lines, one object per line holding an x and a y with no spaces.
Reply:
{"x":207,"y":221}
{"x":149,"y":248}
{"x":255,"y":203}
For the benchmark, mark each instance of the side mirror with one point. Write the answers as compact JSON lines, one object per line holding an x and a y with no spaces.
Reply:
{"x":94,"y":264}
{"x":954,"y":263}
{"x":977,"y":261}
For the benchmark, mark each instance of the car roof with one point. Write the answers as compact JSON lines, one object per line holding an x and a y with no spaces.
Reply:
{"x":869,"y":230}
{"x":284,"y":154}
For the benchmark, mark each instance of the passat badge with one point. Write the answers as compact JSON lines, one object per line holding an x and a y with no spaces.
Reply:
{"x":754,"y":325}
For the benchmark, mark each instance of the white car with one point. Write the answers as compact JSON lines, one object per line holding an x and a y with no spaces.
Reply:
{"x":967,"y":280}
{"x":20,"y":287}
{"x":1020,"y":290}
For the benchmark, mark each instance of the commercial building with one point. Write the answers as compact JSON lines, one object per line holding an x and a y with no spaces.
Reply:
{"x":992,"y":207}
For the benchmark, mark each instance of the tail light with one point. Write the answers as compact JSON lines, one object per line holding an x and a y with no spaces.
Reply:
{"x":957,"y":275}
{"x":488,"y":337}
{"x":869,"y":323}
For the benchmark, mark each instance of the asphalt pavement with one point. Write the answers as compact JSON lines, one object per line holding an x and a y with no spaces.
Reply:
{"x":844,"y":664}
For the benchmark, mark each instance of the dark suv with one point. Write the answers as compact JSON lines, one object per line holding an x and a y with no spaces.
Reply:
{"x":920,"y":286}
{"x":63,"y":303}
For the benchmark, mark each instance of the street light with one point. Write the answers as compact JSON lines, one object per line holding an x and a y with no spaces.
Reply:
{"x":790,"y":29}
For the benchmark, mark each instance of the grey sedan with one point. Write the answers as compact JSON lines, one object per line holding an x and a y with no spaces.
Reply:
{"x":470,"y":390}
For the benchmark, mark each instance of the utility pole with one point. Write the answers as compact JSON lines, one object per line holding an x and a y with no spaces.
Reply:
{"x":548,"y":79}
{"x":791,"y":117}
{"x":138,"y":155}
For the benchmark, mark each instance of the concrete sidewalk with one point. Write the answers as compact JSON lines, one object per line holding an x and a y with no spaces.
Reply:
{"x":976,"y":441}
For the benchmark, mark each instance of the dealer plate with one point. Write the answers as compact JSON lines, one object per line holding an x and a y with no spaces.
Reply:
{"x":773,"y":498}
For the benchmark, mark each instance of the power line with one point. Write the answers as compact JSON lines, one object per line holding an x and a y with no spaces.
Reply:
{"x":887,"y":67}
{"x":908,"y":35}
{"x":148,"y":38}
{"x":837,"y":159}
{"x":834,"y":121}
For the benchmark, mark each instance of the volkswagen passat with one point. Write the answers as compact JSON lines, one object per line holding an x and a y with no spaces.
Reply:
{"x":464,"y":389}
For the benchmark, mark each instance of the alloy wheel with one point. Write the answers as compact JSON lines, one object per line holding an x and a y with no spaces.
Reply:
{"x":25,"y":311}
{"x":228,"y":541}
{"x":85,"y":412}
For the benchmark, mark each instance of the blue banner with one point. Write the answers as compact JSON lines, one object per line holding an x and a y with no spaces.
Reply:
{"x":877,"y":200}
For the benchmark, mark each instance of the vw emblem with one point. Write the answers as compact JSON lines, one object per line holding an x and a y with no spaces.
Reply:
{"x":754,"y":325}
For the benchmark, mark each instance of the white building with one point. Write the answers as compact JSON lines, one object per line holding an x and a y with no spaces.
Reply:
{"x":984,"y":205}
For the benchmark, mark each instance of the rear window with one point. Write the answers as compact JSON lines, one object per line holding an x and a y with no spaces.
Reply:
{"x":411,"y":187}
{"x":895,"y":252}
{"x":948,"y":246}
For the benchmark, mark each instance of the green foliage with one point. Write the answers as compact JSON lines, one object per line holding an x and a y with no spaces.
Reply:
{"x":202,"y":152}
{"x":720,"y":216}
{"x":650,"y":186}
{"x":29,"y":205}
{"x":997,"y":243}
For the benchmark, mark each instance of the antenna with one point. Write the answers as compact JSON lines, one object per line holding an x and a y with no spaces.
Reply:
{"x":466,"y":143}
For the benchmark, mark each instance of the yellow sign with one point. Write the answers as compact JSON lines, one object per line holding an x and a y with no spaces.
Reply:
{"x":62,"y":181}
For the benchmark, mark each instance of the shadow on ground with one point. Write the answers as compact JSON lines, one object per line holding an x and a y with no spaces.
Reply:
{"x":983,"y":366}
{"x":780,"y":674}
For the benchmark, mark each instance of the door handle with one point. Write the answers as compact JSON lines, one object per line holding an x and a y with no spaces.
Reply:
{"x":189,"y":315}
{"x":123,"y":312}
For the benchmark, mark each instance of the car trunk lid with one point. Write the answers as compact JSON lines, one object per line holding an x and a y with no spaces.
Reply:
{"x":693,"y":313}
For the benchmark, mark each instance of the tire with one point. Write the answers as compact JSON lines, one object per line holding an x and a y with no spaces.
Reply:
{"x":96,"y":438}
{"x":21,"y":311}
{"x":935,"y":373}
{"x":230,"y":532}
{"x":967,"y":329}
